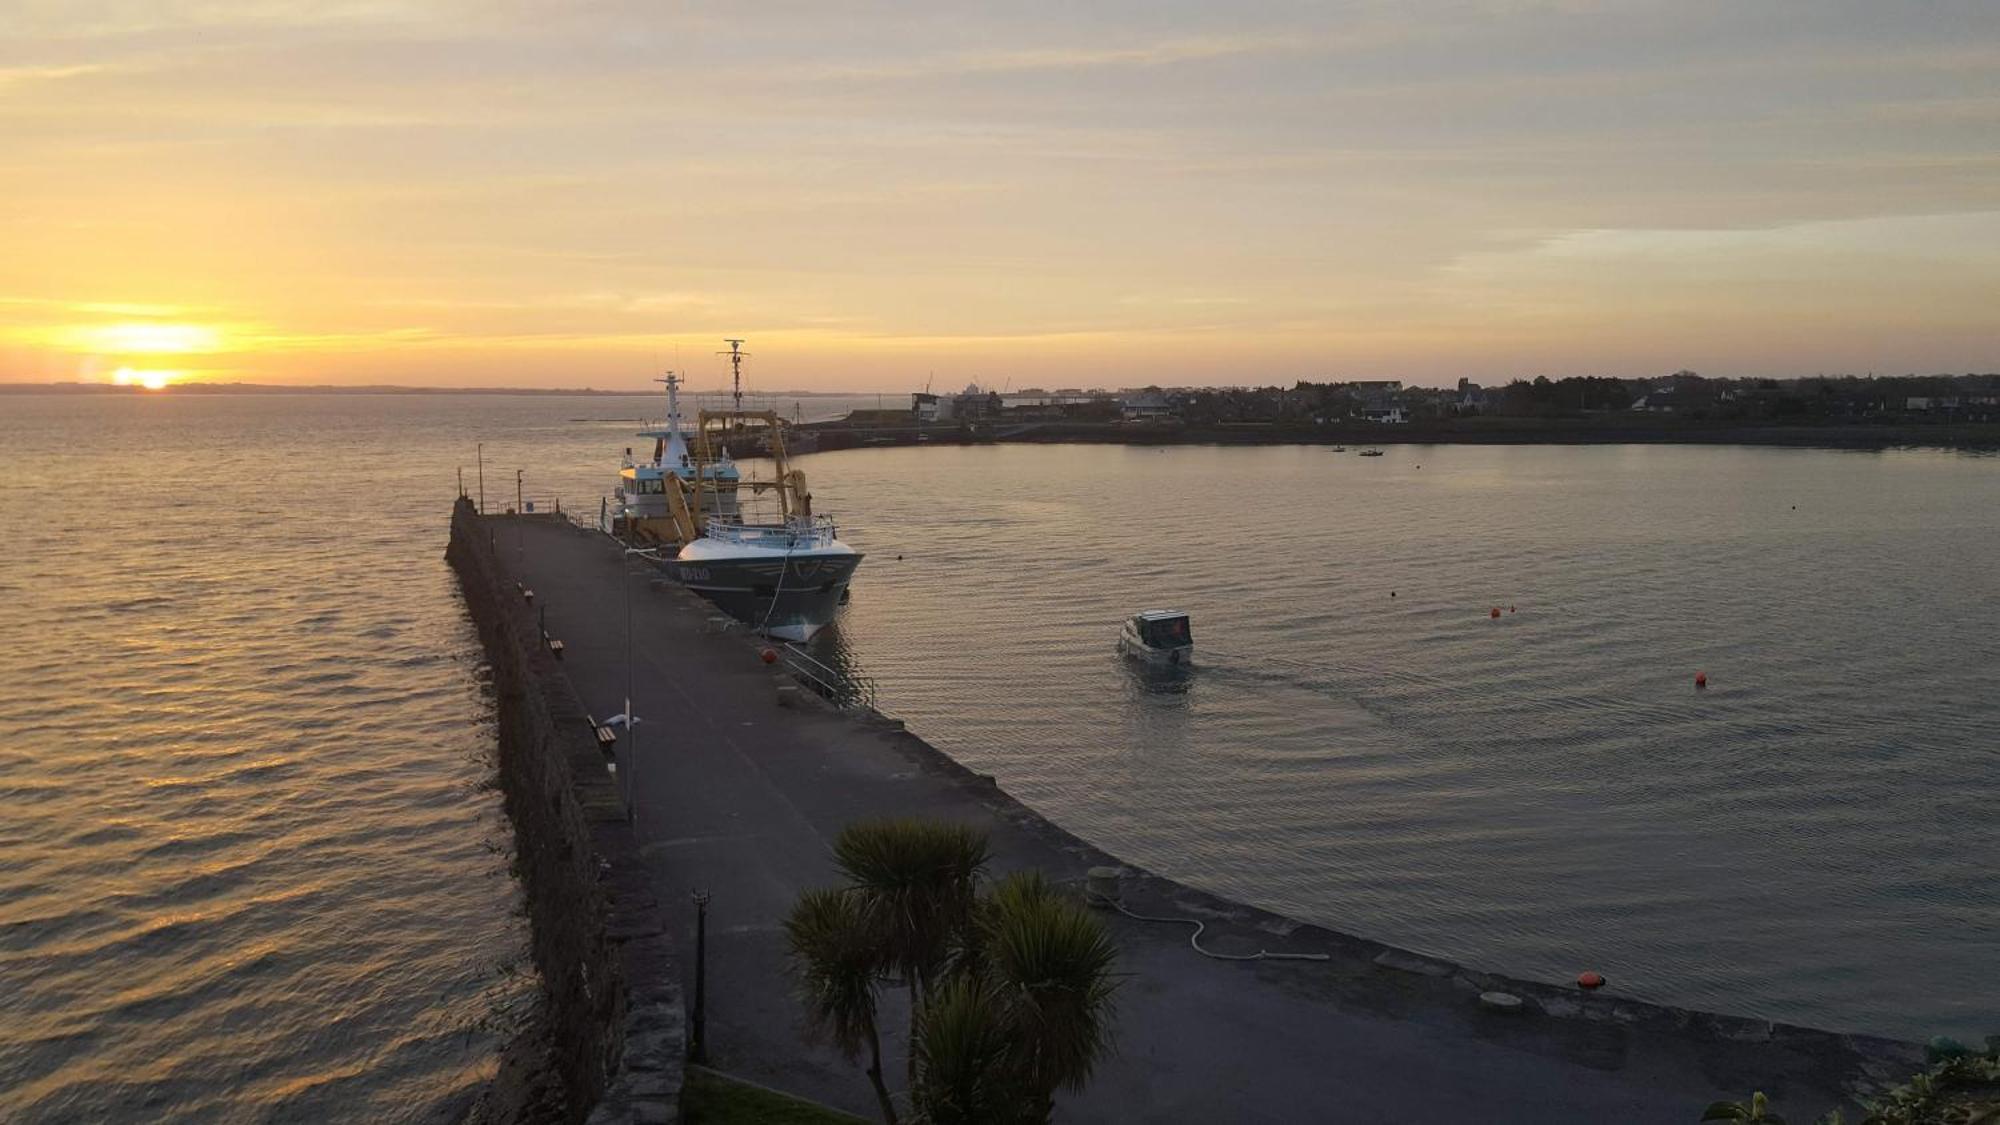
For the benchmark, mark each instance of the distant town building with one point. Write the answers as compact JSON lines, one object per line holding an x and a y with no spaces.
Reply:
{"x":1380,"y":400}
{"x":1146,"y":405}
{"x":1471,"y":398}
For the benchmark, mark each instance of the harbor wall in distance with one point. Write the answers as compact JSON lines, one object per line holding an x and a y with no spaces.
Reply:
{"x":610,"y":1043}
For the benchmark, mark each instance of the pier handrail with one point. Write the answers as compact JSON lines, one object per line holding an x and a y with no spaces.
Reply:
{"x":841,"y":690}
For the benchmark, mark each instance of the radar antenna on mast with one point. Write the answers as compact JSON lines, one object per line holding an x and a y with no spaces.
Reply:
{"x":673,"y":383}
{"x":736,"y":356}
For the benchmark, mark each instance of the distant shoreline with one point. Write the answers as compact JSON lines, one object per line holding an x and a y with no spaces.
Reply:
{"x":1601,"y":430}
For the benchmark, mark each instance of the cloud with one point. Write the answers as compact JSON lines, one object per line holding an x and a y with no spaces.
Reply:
{"x":1424,"y":185}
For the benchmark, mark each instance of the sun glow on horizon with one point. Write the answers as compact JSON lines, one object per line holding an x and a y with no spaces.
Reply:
{"x":1170,"y":194}
{"x":151,"y":379}
{"x":143,"y":337}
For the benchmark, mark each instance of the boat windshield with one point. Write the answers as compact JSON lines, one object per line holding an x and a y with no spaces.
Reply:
{"x":1165,"y":632}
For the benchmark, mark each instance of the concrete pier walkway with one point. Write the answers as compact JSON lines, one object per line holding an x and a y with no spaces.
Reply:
{"x":741,"y":796}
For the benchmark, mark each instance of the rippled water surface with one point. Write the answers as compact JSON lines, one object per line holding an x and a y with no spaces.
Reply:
{"x":1812,"y":838}
{"x":249,"y":867}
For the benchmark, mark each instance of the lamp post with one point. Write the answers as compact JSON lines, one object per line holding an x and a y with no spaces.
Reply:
{"x":481,"y":453}
{"x":698,"y":1022}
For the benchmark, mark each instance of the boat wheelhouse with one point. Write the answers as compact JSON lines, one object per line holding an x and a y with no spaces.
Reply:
{"x":644,"y":509}
{"x":1158,"y":636}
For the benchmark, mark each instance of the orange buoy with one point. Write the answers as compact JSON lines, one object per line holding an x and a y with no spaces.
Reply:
{"x":1701,"y":679}
{"x":1496,"y":611}
{"x":1590,"y":980}
{"x":770,"y":655}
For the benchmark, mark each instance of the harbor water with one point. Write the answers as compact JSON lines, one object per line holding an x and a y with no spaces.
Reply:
{"x":255,"y":868}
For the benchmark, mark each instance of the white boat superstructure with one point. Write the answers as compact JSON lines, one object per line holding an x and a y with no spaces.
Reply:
{"x":641,"y":496}
{"x":1158,"y":636}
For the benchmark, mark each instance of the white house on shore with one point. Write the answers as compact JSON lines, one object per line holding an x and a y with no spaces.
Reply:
{"x":1145,"y":406}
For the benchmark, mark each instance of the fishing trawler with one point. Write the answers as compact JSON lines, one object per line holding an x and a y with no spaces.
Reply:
{"x":785,"y":571}
{"x":642,"y":510}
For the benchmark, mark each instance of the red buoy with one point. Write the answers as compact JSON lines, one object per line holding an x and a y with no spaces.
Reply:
{"x":1496,"y":611}
{"x":1590,"y":980}
{"x":1701,"y":679}
{"x":770,"y":655}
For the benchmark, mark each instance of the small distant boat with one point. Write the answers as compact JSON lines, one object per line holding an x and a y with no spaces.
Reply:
{"x":1340,"y":449}
{"x":1371,"y":453}
{"x":1157,"y":636}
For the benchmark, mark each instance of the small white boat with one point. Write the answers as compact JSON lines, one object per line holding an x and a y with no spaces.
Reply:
{"x":1158,"y":636}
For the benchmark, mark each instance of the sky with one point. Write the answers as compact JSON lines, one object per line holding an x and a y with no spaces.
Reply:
{"x":502,"y":193}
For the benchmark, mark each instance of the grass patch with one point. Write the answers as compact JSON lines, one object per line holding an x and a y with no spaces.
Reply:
{"x":709,"y":1098}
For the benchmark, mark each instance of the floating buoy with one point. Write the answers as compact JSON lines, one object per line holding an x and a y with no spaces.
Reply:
{"x":1496,"y":612}
{"x":1510,"y":609}
{"x":1590,"y":980}
{"x":1392,"y":593}
{"x":1701,"y":679}
{"x":769,"y":655}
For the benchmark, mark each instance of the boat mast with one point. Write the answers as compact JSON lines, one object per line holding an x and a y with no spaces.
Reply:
{"x":736,"y":355}
{"x":673,"y":401}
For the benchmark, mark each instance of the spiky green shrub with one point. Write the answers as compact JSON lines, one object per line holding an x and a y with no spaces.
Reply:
{"x":839,"y":967}
{"x":1011,"y":990}
{"x":916,"y":879}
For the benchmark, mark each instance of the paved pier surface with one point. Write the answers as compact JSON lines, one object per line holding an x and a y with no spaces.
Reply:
{"x":743,"y":797}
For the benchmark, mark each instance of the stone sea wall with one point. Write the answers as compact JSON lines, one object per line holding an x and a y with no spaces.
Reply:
{"x":611,"y":1044}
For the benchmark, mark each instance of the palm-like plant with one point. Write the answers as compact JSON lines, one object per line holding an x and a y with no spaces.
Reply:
{"x":838,"y":966}
{"x":915,"y":880}
{"x":1048,"y":962}
{"x":1010,"y":992}
{"x":965,"y":1058}
{"x":1757,"y":1109}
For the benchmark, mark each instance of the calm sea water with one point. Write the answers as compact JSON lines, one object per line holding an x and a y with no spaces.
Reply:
{"x":253,"y":867}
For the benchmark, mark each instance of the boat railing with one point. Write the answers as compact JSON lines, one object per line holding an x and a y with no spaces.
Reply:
{"x":793,"y":534}
{"x":836,"y":687}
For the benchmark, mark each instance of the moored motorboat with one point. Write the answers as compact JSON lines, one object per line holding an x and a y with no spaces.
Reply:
{"x":1158,"y":636}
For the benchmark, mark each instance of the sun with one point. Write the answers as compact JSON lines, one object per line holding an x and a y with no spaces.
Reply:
{"x":151,"y":380}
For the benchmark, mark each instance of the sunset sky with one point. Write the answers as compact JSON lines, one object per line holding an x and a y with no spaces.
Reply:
{"x":569,"y":194}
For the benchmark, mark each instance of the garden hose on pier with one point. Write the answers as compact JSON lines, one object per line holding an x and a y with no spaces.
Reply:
{"x":1194,"y":939}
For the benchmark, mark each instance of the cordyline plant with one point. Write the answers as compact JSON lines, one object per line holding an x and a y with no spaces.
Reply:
{"x":1010,"y":986}
{"x":1962,"y":1088}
